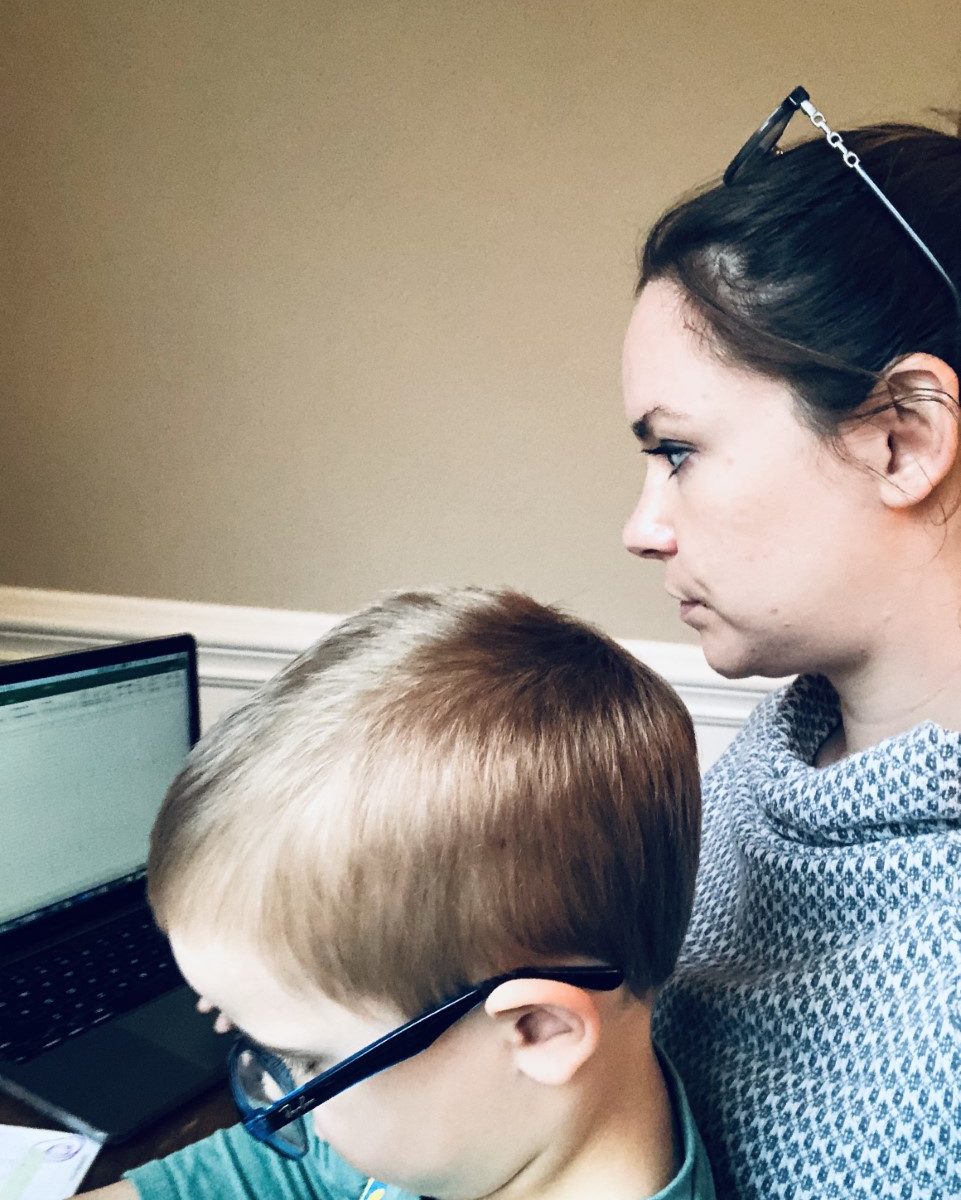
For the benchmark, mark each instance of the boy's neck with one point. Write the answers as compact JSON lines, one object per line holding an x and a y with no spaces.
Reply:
{"x":623,"y":1145}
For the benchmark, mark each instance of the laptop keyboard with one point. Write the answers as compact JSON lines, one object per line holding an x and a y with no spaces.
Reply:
{"x":68,"y":989}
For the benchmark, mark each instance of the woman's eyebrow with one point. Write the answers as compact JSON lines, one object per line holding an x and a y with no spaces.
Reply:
{"x":642,"y":426}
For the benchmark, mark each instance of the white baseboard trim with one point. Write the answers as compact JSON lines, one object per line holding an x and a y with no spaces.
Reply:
{"x":241,"y":647}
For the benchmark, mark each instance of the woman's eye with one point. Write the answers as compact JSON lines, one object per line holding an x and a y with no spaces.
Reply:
{"x":674,"y":452}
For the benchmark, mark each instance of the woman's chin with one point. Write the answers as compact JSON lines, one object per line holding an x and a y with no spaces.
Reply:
{"x":751,"y":668}
{"x":735,"y":657}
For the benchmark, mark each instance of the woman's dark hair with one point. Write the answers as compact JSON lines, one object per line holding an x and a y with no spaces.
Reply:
{"x":798,"y":272}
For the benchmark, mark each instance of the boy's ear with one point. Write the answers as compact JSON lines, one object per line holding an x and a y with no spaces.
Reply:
{"x":910,"y":440}
{"x":553,"y":1028}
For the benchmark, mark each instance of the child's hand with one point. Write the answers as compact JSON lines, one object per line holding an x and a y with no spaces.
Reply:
{"x":221,"y":1023}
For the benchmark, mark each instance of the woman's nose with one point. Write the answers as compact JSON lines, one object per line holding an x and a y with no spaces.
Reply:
{"x":648,"y":533}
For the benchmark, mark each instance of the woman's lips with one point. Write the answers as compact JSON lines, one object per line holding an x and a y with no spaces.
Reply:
{"x":690,"y":608}
{"x":685,"y":604}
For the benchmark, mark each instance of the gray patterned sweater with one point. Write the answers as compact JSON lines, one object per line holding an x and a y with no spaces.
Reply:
{"x":816,"y":1013}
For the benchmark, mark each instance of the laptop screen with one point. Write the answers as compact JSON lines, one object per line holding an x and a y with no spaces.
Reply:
{"x":85,"y":759}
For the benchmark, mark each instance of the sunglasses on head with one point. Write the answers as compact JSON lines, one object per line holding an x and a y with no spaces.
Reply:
{"x":763,"y":145}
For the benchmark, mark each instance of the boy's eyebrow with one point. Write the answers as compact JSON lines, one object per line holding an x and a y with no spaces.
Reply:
{"x":276,"y":1051}
{"x":642,"y":426}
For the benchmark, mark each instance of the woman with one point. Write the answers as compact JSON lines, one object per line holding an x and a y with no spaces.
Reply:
{"x":791,"y":370}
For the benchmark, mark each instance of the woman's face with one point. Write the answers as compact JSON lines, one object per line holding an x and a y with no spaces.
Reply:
{"x":768,"y":537}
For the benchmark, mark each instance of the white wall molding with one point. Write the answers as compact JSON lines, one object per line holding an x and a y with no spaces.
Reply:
{"x":241,"y":647}
{"x":238,"y":647}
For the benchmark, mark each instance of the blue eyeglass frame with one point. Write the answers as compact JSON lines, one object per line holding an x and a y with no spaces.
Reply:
{"x":764,"y":143}
{"x":265,"y":1122}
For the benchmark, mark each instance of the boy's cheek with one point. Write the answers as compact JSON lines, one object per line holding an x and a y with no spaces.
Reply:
{"x":353,"y":1128}
{"x":368,"y":1153}
{"x":369,"y":1137}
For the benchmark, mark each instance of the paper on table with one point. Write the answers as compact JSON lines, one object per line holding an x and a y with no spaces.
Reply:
{"x":42,"y":1164}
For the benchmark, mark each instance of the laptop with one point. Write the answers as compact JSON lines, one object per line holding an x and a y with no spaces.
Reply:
{"x":97,"y":1027}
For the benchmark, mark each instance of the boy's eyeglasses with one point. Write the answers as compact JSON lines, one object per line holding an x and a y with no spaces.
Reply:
{"x":764,"y":144}
{"x":272,"y":1106}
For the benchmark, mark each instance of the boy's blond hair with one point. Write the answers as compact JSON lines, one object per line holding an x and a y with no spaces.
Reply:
{"x":450,"y":784}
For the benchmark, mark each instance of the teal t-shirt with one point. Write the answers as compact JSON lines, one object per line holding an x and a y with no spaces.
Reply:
{"x":231,"y":1165}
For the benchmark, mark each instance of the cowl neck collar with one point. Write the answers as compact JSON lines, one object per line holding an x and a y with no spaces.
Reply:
{"x":905,"y":785}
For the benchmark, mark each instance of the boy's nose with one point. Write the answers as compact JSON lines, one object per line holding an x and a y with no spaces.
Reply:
{"x":648,"y":533}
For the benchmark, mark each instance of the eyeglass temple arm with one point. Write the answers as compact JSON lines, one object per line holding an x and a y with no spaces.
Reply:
{"x":386,"y":1052}
{"x":416,"y":1035}
{"x":851,"y":160}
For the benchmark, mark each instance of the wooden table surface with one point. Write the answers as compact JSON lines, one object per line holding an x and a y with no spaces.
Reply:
{"x":211,"y":1112}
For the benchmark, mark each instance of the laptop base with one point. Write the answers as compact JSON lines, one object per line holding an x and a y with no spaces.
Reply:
{"x":151,"y":1060}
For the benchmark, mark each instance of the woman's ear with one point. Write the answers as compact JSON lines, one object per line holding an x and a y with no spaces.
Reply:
{"x":909,"y":439}
{"x":553,"y":1028}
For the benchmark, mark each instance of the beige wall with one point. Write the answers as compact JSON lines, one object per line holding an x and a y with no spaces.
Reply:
{"x":311,"y":299}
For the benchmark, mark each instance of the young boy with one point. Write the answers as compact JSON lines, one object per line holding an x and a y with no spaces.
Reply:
{"x":462,"y":807}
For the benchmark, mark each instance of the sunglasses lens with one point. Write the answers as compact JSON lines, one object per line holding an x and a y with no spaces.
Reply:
{"x":770,"y":133}
{"x":761,"y":144}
